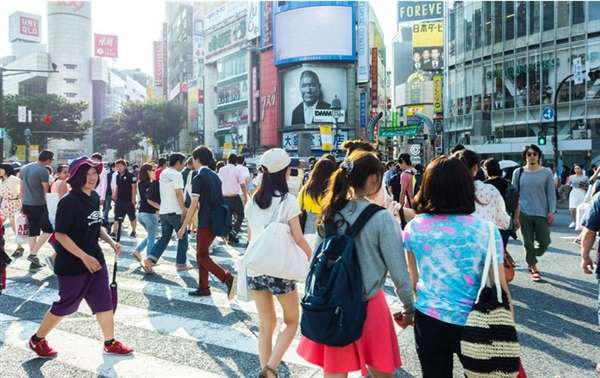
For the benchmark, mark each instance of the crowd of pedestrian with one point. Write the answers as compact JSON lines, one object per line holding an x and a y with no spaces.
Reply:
{"x":440,"y":230}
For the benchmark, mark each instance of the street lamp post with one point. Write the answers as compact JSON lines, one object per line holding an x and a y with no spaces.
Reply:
{"x":27,"y":134}
{"x":336,"y":112}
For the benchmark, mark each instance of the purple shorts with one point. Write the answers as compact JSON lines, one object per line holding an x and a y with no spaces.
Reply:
{"x":93,"y":287}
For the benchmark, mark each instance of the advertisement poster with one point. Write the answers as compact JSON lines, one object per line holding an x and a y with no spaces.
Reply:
{"x":309,"y":89}
{"x":427,"y":44}
{"x":24,"y":27}
{"x":106,"y":46}
{"x":362,"y":68}
{"x":159,"y":68}
{"x":420,"y":10}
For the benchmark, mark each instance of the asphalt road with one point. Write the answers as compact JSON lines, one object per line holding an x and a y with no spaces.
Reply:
{"x":175,"y":335}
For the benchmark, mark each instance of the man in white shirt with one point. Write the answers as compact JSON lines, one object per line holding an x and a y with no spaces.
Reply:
{"x":172,"y":212}
{"x":101,"y":188}
{"x":232,"y":183}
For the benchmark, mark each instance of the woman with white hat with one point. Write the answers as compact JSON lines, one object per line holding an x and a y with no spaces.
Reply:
{"x":273,"y":195}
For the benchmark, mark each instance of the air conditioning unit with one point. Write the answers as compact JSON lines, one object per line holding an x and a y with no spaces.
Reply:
{"x":579,"y":134}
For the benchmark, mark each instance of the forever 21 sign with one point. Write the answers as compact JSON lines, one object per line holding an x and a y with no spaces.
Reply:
{"x":226,"y":37}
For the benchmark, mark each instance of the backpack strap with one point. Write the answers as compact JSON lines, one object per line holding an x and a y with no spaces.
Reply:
{"x":362,"y":219}
{"x":518,"y":172}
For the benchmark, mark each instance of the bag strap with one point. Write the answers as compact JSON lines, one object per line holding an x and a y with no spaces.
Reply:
{"x":362,"y":219}
{"x":491,"y":261}
{"x":275,"y":213}
{"x":518,"y":180}
{"x":119,"y":226}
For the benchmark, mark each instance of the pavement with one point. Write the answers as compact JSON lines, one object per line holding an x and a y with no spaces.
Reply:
{"x":175,"y":335}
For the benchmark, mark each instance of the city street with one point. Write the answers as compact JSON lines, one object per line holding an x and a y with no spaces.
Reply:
{"x":175,"y":335}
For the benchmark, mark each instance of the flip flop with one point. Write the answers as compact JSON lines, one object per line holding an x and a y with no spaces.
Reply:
{"x":536,"y":277}
{"x":138,"y":256}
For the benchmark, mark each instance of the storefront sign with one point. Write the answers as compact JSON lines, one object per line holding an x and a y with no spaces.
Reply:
{"x":232,"y":92}
{"x":420,"y":10}
{"x":437,"y":94}
{"x":106,"y":46}
{"x":253,"y":20}
{"x":374,"y":77}
{"x":326,"y":116}
{"x":291,"y":139}
{"x":362,"y":68}
{"x":413,"y":109}
{"x":159,"y":68}
{"x":326,"y":137}
{"x":226,"y":37}
{"x":266,"y":24}
{"x":24,"y":27}
{"x":363,"y":110}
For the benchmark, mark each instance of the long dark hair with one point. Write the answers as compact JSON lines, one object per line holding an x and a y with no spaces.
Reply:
{"x":352,"y":174}
{"x":145,"y":173}
{"x":319,"y":179}
{"x":271,"y":185}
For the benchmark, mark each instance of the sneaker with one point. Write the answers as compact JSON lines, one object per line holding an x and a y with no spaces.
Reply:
{"x":231,"y":287}
{"x":118,"y":348}
{"x":18,"y":252}
{"x":572,"y":225}
{"x":41,"y":348}
{"x":35,"y":262}
{"x":133,"y":234}
{"x":199,"y":293}
{"x":183,"y":267}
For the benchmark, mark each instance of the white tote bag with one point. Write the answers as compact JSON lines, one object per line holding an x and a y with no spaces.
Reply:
{"x":242,"y":292}
{"x":273,"y":252}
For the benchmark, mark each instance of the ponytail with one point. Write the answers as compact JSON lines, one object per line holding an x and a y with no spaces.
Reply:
{"x":337,"y":196}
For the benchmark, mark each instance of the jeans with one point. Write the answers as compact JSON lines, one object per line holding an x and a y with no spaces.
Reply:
{"x":106,"y":210}
{"x":169,"y":223}
{"x":598,"y":304}
{"x":150,"y":222}
{"x":237,"y":206}
{"x":534,"y":229}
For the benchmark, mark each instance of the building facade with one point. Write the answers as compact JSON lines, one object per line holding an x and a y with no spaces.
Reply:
{"x":505,"y":60}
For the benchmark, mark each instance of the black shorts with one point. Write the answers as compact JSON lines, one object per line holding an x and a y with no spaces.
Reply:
{"x":38,"y":219}
{"x":122,"y":209}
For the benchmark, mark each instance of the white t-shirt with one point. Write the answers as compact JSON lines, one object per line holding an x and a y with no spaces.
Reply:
{"x":170,"y":180}
{"x":259,"y":218}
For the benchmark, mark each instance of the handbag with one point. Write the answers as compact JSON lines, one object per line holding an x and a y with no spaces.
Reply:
{"x":242,"y":292}
{"x":489,"y":338}
{"x":509,"y":267}
{"x":273,"y":252}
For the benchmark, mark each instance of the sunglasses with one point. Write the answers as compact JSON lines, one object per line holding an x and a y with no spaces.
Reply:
{"x":532,"y":154}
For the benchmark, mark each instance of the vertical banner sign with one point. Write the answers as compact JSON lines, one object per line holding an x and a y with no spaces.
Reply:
{"x":363,"y":110}
{"x":394,"y":120}
{"x":577,"y":71}
{"x":437,"y":93}
{"x":255,"y":94}
{"x":158,"y":63}
{"x":326,"y":137}
{"x":252,"y":20}
{"x":106,"y":46}
{"x":362,"y":38}
{"x":374,"y":77}
{"x":266,"y":24}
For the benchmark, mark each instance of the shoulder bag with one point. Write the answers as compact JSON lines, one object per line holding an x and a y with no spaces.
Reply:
{"x":489,"y":342}
{"x":273,"y":251}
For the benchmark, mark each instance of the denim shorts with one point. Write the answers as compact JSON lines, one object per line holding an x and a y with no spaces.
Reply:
{"x":93,"y":287}
{"x":277,"y":286}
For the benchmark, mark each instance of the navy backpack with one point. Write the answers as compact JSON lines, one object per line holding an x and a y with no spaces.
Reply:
{"x":333,"y":310}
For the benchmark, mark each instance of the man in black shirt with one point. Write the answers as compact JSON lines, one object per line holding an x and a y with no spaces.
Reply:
{"x":124,"y":193}
{"x":108,"y":194}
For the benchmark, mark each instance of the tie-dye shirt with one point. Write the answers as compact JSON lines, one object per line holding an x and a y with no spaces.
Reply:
{"x":450,"y":252}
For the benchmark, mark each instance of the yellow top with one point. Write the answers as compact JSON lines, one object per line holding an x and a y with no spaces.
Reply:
{"x":307,"y":203}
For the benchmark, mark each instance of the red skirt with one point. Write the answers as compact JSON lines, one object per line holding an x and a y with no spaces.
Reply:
{"x":377,"y":346}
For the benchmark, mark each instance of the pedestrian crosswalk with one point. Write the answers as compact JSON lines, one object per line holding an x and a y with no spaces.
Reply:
{"x":173,"y":334}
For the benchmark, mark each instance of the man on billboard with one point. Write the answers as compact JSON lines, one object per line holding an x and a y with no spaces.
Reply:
{"x":417,"y":61}
{"x":426,"y":60}
{"x":310,"y":89}
{"x":436,"y":62}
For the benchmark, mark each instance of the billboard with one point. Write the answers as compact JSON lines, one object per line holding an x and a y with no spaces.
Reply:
{"x":419,"y":10}
{"x":106,"y":46}
{"x":253,"y":20}
{"x":309,"y":91}
{"x":427,"y":46}
{"x":362,"y":31}
{"x":266,"y":24}
{"x":25,"y":27}
{"x":316,"y":32}
{"x":225,"y":37}
{"x":159,"y":66}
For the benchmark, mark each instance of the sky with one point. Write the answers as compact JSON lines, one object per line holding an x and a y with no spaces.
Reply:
{"x":138,"y":23}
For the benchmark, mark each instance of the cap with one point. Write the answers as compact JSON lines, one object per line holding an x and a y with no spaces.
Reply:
{"x":76,"y":164}
{"x":275,"y":160}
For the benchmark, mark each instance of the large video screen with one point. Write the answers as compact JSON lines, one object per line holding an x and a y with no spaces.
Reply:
{"x":314,"y":33}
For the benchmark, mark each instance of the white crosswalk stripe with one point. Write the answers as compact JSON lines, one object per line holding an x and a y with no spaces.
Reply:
{"x":157,"y":306}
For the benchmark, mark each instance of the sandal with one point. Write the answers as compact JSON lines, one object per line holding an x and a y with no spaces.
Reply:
{"x":137,"y":256}
{"x":264,"y":372}
{"x":535,"y":274}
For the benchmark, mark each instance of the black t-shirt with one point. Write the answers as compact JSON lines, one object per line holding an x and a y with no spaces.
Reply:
{"x":145,"y":207}
{"x":499,"y":183}
{"x":78,"y":216}
{"x":395,"y":185}
{"x":124,"y":186}
{"x":207,"y":186}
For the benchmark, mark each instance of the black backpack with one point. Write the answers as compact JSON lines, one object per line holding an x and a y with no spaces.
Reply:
{"x":333,"y":310}
{"x":511,"y":198}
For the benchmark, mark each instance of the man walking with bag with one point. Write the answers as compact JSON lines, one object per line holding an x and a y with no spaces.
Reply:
{"x":233,"y":182}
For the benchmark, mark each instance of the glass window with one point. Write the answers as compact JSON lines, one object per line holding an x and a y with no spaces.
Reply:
{"x":477,"y":23}
{"x":477,"y":87}
{"x":468,"y":17}
{"x":509,"y":84}
{"x":509,"y":26}
{"x":534,"y":79}
{"x":498,"y":17}
{"x":452,"y":33}
{"x":230,"y":66}
{"x":487,"y":17}
{"x":548,"y":15}
{"x":488,"y":77}
{"x":578,"y":90}
{"x":578,"y":12}
{"x":562,"y":14}
{"x":469,"y":90}
{"x":451,"y":104}
{"x":593,"y":90}
{"x":534,"y":17}
{"x":460,"y":31}
{"x":548,"y":78}
{"x":521,"y":82}
{"x":521,"y":18}
{"x":498,"y":87}
{"x":460,"y":86}
{"x":562,"y":71}
{"x":594,"y":10}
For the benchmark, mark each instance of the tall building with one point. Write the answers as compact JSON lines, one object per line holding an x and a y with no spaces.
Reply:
{"x":505,"y":62}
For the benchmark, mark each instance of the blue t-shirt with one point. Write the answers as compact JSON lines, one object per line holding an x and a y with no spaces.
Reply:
{"x":591,"y":221}
{"x":450,"y":251}
{"x":207,"y":186}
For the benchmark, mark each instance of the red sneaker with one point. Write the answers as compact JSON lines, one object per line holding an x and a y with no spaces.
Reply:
{"x":118,"y":348}
{"x":42,"y":349}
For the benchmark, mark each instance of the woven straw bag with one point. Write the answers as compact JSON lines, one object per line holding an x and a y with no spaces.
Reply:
{"x":489,"y":342}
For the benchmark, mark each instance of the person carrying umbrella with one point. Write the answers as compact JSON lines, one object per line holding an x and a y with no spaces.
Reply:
{"x":80,"y":265}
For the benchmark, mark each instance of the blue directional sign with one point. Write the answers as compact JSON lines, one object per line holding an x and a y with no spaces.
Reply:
{"x":548,"y":113}
{"x":363,"y":110}
{"x":2,"y":133}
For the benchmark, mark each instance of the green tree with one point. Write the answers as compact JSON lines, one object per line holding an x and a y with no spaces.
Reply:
{"x":161,"y":121}
{"x":112,"y":133}
{"x":66,"y":118}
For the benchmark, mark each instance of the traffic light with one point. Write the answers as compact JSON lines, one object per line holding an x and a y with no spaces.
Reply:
{"x":47,"y":120}
{"x":542,"y":139}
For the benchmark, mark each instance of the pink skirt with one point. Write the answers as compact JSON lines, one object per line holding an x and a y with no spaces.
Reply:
{"x":377,"y":346}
